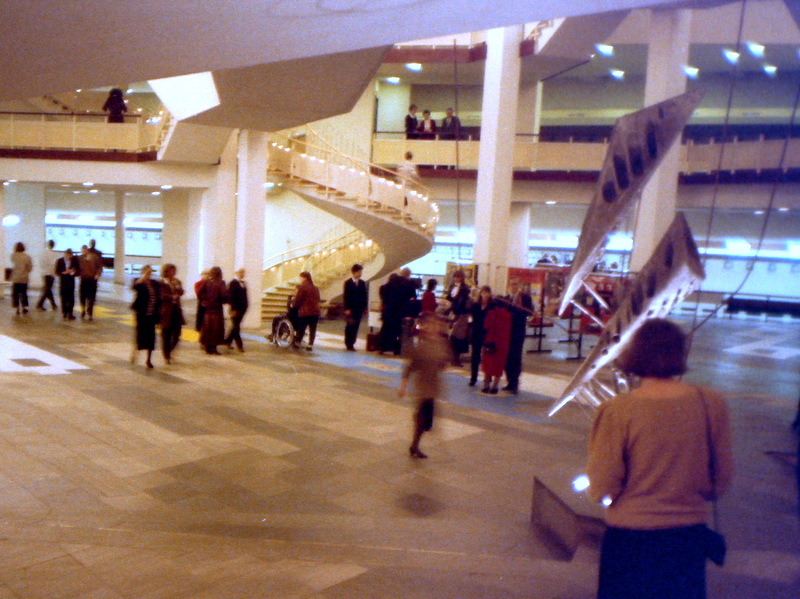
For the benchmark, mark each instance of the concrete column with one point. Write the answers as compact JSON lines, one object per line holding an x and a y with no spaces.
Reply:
{"x":519,"y":232}
{"x":250,"y":211}
{"x":219,"y":213}
{"x":119,"y":237}
{"x":529,"y":113}
{"x":3,"y":257}
{"x":668,"y":52}
{"x":495,"y":161}
{"x":175,"y":236}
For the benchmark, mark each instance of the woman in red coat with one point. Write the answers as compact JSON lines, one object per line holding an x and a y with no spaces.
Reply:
{"x":495,"y":347}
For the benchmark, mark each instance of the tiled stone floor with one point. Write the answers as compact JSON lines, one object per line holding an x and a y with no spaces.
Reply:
{"x":276,"y":474}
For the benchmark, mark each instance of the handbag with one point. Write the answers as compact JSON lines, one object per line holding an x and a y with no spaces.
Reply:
{"x":713,"y":542}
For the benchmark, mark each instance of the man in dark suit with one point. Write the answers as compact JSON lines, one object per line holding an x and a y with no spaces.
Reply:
{"x":412,"y":123}
{"x":237,"y":290}
{"x":451,"y":126}
{"x":521,"y":308}
{"x":355,"y":304}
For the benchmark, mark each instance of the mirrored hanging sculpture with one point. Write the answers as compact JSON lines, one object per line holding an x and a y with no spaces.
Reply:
{"x":639,"y":142}
{"x":672,"y":272}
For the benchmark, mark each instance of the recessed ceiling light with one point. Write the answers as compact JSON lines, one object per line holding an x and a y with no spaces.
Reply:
{"x":783,"y":209}
{"x":92,"y":191}
{"x":617,"y":74}
{"x":166,"y":187}
{"x":414,"y":66}
{"x":770,"y":69}
{"x":755,"y":49}
{"x":550,"y":202}
{"x":758,"y":212}
{"x":393,"y":80}
{"x":155,"y":193}
{"x":732,"y":56}
{"x":691,"y":72}
{"x":605,"y":49}
{"x":88,"y":184}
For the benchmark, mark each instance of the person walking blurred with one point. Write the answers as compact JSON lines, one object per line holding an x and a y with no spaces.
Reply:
{"x":67,"y":268}
{"x":212,"y":297}
{"x":21,"y":267}
{"x":147,"y":307}
{"x":237,"y":294}
{"x":171,"y":311}
{"x":47,"y":264}
{"x":91,"y":269}
{"x":426,"y":359}
{"x":306,"y":302}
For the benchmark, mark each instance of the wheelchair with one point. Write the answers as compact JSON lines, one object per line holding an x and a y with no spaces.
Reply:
{"x":282,"y":331}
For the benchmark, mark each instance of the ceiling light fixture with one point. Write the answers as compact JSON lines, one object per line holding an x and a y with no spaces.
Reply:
{"x":550,"y":202}
{"x":88,"y":184}
{"x":605,"y":49}
{"x":165,"y":187}
{"x":732,"y":56}
{"x":617,"y":74}
{"x":770,"y":69}
{"x":414,"y":66}
{"x":755,"y":49}
{"x":393,"y":80}
{"x":691,"y":72}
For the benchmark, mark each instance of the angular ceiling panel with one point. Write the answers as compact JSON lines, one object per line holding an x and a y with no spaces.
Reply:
{"x":53,"y":47}
{"x":284,"y":94}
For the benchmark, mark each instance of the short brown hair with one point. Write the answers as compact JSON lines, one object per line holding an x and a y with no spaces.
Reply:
{"x":658,"y":349}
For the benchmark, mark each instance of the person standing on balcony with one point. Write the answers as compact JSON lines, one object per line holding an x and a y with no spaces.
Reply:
{"x":237,"y":289}
{"x":47,"y":264}
{"x":115,"y":106}
{"x":22,"y":265}
{"x":306,"y":302}
{"x":427,"y":127}
{"x":412,"y":123}
{"x":451,"y":126}
{"x":355,"y":304}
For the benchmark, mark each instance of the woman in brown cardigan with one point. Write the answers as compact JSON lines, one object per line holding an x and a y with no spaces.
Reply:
{"x":306,"y":303}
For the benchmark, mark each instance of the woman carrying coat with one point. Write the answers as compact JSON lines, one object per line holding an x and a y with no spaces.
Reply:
{"x":147,"y":306}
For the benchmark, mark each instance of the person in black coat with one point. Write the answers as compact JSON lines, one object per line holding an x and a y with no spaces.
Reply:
{"x":355,"y":304}
{"x":67,"y":268}
{"x":412,"y":123}
{"x":115,"y":106}
{"x":237,"y":292}
{"x":521,"y":308}
{"x":147,"y":306}
{"x":396,"y":298}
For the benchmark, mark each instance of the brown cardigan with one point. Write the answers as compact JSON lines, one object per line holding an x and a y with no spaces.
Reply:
{"x":306,"y":299}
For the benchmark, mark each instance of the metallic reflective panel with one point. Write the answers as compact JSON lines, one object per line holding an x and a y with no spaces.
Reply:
{"x":639,"y":142}
{"x":673,"y":271}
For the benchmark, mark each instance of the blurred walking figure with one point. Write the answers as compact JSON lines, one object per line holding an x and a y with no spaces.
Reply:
{"x":212,"y":297}
{"x":91,"y":269}
{"x":22,"y":265}
{"x":147,"y":306}
{"x":306,"y":303}
{"x":171,"y":311}
{"x":427,"y":358}
{"x":47,"y":264}
{"x":237,"y":292}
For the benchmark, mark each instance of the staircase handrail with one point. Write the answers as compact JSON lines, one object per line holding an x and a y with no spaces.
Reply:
{"x":354,"y":237}
{"x":330,"y":236}
{"x":371,"y":185}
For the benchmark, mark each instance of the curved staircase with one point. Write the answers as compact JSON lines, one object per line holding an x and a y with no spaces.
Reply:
{"x":392,"y":222}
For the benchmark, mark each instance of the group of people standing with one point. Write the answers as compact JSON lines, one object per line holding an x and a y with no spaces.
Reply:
{"x":425,"y":128}
{"x":159,"y":303}
{"x":87,"y":267}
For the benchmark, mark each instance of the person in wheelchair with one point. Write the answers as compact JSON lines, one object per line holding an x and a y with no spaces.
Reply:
{"x":284,"y":325}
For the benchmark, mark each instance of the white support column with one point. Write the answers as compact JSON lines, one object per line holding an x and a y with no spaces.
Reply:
{"x":3,"y":252}
{"x":119,"y":237}
{"x":495,"y":161}
{"x":250,"y":212}
{"x":218,"y":213}
{"x":668,"y":53}
{"x":519,"y":232}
